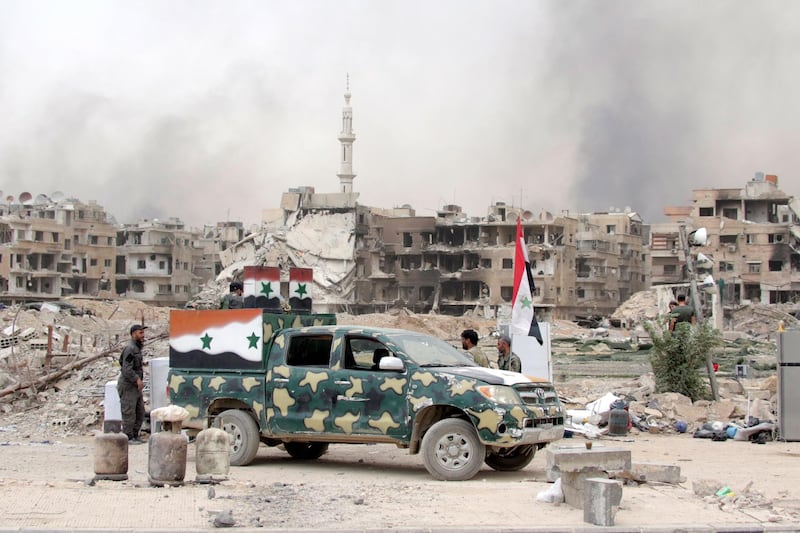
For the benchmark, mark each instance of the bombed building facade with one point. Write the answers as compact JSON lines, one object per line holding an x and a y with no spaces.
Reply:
{"x":753,"y":241}
{"x":54,"y":248}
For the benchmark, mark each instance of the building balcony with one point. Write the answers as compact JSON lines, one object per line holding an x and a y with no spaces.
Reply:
{"x":145,"y":249}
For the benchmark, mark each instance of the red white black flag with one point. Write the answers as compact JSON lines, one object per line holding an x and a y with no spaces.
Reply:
{"x":523,"y":317}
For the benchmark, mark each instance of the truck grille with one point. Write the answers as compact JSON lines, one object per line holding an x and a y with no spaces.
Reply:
{"x":540,"y":395}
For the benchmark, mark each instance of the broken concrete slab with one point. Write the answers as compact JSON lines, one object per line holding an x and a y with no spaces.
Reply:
{"x":657,"y":473}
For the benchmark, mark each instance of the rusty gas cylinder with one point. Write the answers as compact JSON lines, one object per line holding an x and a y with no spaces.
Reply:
{"x":111,"y":456}
{"x":167,"y":458}
{"x":213,"y":455}
{"x":618,"y":422}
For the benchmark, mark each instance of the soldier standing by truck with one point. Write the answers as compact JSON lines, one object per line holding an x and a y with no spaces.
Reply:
{"x":506,"y":359}
{"x":131,"y":384}
{"x":469,"y":342}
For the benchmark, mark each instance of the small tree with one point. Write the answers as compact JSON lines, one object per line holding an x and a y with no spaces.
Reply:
{"x":678,"y":356}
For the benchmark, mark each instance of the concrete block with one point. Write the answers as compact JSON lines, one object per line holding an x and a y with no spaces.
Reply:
{"x":660,"y":473}
{"x":551,"y":468}
{"x":601,"y":499}
{"x":572,"y":485}
{"x":579,"y":459}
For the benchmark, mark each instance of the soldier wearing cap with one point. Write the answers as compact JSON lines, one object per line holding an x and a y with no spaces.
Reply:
{"x":233,"y":300}
{"x":506,"y":360}
{"x":130,"y":385}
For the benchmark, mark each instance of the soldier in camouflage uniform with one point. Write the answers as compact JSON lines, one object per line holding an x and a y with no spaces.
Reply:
{"x":505,"y":359}
{"x":469,"y":342}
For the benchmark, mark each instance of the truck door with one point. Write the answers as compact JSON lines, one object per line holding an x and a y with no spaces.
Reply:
{"x":368,"y":401}
{"x":299,"y":385}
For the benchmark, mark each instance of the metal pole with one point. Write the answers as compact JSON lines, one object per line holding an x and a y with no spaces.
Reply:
{"x":698,"y":311}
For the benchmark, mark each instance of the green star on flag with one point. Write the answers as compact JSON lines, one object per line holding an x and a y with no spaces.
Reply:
{"x":266,"y":288}
{"x":301,"y":289}
{"x":253,"y":338}
{"x":526,"y":302}
{"x":206,"y":341}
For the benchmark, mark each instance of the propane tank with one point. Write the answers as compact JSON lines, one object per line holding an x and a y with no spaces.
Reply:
{"x":618,"y":422}
{"x":213,"y":460}
{"x":167,"y":456}
{"x":111,"y":456}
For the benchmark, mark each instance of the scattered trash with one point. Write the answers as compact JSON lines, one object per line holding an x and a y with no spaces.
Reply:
{"x":553,"y":494}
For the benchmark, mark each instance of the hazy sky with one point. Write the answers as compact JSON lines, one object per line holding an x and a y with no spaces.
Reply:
{"x":209,"y":110}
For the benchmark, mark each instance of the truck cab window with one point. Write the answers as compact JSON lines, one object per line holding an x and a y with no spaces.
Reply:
{"x":309,"y":350}
{"x":360,"y":353}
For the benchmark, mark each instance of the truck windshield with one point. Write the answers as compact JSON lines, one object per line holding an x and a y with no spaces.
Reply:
{"x":430,"y":351}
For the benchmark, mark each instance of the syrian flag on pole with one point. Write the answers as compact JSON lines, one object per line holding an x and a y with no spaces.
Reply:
{"x":523,"y":318}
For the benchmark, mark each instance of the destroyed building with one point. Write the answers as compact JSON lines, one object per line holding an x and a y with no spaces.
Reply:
{"x":54,"y":247}
{"x":753,"y":241}
{"x":156,"y":261}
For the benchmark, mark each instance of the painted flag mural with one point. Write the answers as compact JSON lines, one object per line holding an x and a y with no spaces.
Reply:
{"x":224,"y":339}
{"x":523,"y":317}
{"x":300,"y":282}
{"x":262,"y":288}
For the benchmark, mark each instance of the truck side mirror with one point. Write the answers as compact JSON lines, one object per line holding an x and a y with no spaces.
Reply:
{"x":391,"y":363}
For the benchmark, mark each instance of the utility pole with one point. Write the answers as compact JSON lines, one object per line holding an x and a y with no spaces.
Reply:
{"x":698,"y":311}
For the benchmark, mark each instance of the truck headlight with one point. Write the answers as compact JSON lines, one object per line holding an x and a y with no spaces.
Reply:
{"x":500,"y":394}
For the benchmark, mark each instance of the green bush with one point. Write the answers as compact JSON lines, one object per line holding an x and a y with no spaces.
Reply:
{"x":678,"y":356}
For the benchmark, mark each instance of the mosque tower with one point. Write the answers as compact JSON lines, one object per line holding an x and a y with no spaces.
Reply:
{"x":347,"y":137}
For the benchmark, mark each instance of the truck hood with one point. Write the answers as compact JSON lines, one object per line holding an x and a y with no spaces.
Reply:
{"x":492,"y":376}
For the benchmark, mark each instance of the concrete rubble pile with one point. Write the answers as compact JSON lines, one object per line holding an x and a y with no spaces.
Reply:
{"x":741,"y":402}
{"x":323,"y":242}
{"x":63,"y":394}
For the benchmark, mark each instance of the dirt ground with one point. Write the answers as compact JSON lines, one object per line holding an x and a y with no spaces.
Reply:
{"x":44,"y":485}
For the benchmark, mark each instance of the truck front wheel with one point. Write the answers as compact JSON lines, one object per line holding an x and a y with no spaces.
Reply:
{"x":452,"y":451}
{"x":511,"y":459}
{"x":244,"y":435}
{"x":306,"y":450}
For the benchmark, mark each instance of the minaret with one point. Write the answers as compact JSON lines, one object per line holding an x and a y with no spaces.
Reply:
{"x":346,"y":137}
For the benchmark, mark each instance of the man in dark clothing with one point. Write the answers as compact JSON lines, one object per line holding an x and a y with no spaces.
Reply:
{"x":130,"y":385}
{"x":233,"y":300}
{"x":682,"y":313}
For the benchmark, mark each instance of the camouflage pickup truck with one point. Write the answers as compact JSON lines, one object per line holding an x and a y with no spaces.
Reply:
{"x":302,"y":382}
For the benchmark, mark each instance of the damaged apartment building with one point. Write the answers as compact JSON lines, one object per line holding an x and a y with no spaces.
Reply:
{"x":156,"y":262}
{"x":54,"y":247}
{"x":452,"y":263}
{"x":753,"y":241}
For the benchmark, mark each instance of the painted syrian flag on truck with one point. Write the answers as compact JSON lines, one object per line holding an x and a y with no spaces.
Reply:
{"x":262,"y":287}
{"x":523,"y":317}
{"x":229,"y":338}
{"x":300,"y":282}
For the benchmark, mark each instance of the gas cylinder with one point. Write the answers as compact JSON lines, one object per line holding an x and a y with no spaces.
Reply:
{"x":111,"y":456}
{"x":213,"y":455}
{"x":618,"y":422}
{"x":166,"y":463}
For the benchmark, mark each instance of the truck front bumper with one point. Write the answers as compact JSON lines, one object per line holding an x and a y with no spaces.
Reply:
{"x":541,"y":434}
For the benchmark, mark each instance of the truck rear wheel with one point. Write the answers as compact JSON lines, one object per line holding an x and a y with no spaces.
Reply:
{"x":306,"y":450}
{"x":452,"y":451}
{"x":244,"y":435}
{"x":511,"y":459}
